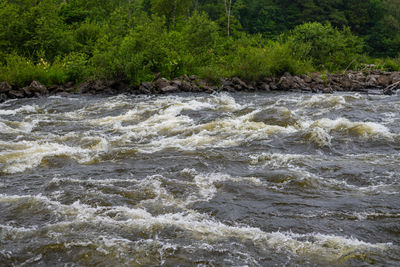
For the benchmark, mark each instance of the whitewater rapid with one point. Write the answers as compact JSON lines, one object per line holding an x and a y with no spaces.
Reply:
{"x":252,"y":179}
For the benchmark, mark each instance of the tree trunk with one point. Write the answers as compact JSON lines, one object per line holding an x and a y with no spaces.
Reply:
{"x":228,"y":8}
{"x":174,"y":13}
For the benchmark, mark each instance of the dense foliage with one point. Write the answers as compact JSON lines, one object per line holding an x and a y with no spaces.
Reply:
{"x":56,"y":41}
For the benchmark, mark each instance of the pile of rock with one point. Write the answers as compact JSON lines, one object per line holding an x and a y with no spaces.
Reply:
{"x":388,"y":82}
{"x":34,"y":89}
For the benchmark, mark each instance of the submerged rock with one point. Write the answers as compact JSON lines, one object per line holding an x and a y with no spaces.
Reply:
{"x":276,"y":116}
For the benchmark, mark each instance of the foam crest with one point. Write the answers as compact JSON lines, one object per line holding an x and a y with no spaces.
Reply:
{"x":277,"y":160}
{"x":223,"y":132}
{"x":207,"y":184}
{"x":201,"y":227}
{"x":23,"y":109}
{"x":363,"y":129}
{"x":16,"y":127}
{"x":323,"y":101}
{"x":320,"y":131}
{"x":25,"y":155}
{"x":224,"y":101}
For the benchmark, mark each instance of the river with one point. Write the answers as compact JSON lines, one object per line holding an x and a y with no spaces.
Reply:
{"x":241,"y":179}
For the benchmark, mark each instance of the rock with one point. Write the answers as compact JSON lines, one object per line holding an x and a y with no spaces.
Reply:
{"x":346,"y":83}
{"x":229,"y":88}
{"x":273,"y":86}
{"x":306,"y":78}
{"x":359,"y":76}
{"x":334,"y":79}
{"x":264,"y":87}
{"x":37,"y":87}
{"x":161,"y":83}
{"x":298,"y":83}
{"x":27,"y":91}
{"x":15,"y":94}
{"x":383,"y":80}
{"x":169,"y":89}
{"x":85,"y":87}
{"x":5,"y":87}
{"x":193,"y":77}
{"x":213,"y":89}
{"x":286,"y":82}
{"x":202,"y":86}
{"x":53,"y":88}
{"x":3,"y":97}
{"x":99,"y":86}
{"x":69,"y":84}
{"x":145,"y":88}
{"x":371,"y":81}
{"x":147,"y":85}
{"x":70,"y":90}
{"x":239,"y":84}
{"x":316,"y":77}
{"x":176,"y":83}
{"x":109,"y":91}
{"x":268,"y":80}
{"x":186,"y":86}
{"x":184,"y":77}
{"x":316,"y":87}
{"x":395,"y":77}
{"x":336,"y":88}
{"x":387,"y":91}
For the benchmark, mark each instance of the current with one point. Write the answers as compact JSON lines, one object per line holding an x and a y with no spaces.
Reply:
{"x":224,"y":179}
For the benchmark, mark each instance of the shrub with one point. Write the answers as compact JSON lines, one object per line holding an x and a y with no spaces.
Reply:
{"x":253,"y":59}
{"x":328,"y":47}
{"x":20,"y":71}
{"x":75,"y":66}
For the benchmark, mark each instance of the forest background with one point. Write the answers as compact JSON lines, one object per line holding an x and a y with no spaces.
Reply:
{"x":56,"y":42}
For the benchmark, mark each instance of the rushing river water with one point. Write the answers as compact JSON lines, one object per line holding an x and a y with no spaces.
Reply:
{"x":238,"y":179}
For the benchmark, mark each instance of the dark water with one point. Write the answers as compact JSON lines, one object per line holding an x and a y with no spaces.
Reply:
{"x":205,"y":180}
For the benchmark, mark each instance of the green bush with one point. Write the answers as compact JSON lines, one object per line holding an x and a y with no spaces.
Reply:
{"x":253,"y":59}
{"x":328,"y":47}
{"x":75,"y":66}
{"x":282,"y":58}
{"x":142,"y":52}
{"x":20,"y":71}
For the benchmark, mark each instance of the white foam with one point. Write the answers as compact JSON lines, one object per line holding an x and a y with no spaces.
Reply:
{"x":201,"y":227}
{"x":25,"y":155}
{"x":320,"y":131}
{"x":331,"y":101}
{"x":23,"y":109}
{"x":15,"y":127}
{"x":277,"y":160}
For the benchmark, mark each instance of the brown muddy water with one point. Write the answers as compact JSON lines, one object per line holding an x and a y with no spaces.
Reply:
{"x":243,"y":179}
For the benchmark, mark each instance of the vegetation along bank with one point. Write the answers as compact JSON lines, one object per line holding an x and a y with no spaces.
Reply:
{"x":86,"y":46}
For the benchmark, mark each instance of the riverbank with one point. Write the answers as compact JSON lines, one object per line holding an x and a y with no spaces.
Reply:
{"x":386,"y":82}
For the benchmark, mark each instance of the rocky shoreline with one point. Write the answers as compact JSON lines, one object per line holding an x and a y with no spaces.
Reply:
{"x":357,"y":81}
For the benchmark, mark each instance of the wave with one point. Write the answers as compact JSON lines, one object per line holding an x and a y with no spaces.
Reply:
{"x":315,"y":246}
{"x":25,"y":155}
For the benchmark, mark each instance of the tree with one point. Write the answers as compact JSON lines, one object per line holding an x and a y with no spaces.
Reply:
{"x":228,"y":10}
{"x":171,"y":9}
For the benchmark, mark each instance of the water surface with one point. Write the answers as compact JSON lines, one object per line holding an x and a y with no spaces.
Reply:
{"x":238,"y":179}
